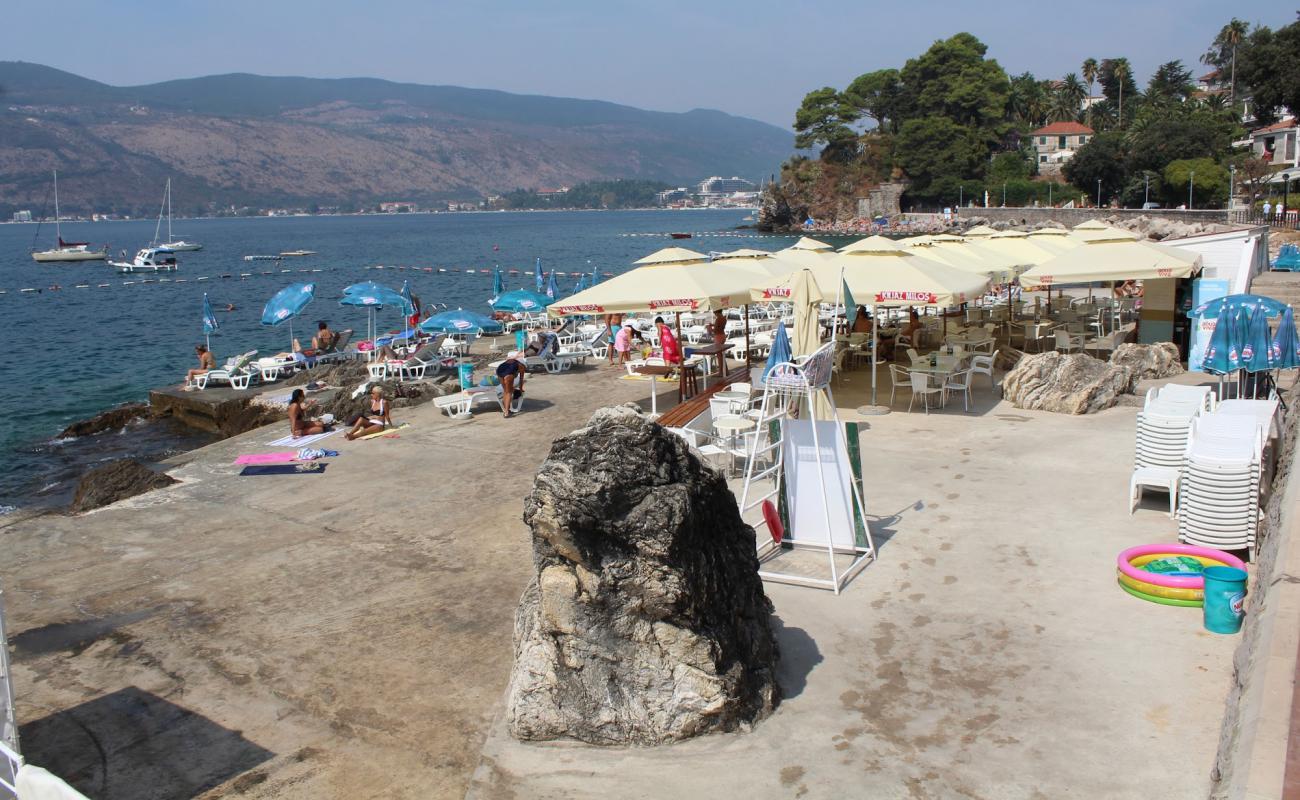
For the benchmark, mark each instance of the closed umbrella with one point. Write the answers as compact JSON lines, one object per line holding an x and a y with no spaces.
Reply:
{"x":460,"y":321}
{"x":521,"y":300}
{"x":595,"y":276}
{"x":581,"y":284}
{"x":1285,"y":346}
{"x":1257,"y":349}
{"x":537,"y":274}
{"x":209,"y":322}
{"x":1212,"y":308}
{"x":286,"y":304}
{"x":1223,"y":353}
{"x":780,"y":350}
{"x":498,"y":284}
{"x":552,"y":288}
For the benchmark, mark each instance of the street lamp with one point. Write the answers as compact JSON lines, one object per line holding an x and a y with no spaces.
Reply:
{"x":1146,"y":190}
{"x":1004,"y":194}
{"x":1232,"y":184}
{"x":1099,"y":193}
{"x":1286,"y":193}
{"x":1190,"y":175}
{"x":961,"y":193}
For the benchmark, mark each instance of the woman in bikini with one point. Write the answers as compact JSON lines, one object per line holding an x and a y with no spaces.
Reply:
{"x":299,"y":423}
{"x":374,"y":418}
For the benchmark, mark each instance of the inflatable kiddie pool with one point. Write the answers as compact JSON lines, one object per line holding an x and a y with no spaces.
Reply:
{"x":1170,"y":588}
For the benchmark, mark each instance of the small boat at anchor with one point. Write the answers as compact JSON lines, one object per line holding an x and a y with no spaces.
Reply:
{"x":263,"y":258}
{"x":149,"y":259}
{"x":680,"y":235}
{"x":297,"y":253}
{"x":65,"y":251}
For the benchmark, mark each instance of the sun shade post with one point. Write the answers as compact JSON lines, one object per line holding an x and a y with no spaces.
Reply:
{"x":681,"y":362}
{"x":747,"y":338}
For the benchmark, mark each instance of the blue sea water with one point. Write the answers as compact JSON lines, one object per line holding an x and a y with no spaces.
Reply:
{"x":69,"y":353}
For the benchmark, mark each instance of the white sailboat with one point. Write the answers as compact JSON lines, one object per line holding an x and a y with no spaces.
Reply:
{"x":66,"y":251}
{"x":173,"y":243}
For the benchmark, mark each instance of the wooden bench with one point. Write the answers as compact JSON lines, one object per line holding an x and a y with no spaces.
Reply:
{"x":681,"y":414}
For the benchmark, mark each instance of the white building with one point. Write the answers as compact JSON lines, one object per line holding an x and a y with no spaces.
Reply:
{"x":721,"y":186}
{"x":22,"y":216}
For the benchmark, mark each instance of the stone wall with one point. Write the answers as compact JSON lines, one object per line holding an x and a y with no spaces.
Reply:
{"x":1069,"y":217}
{"x":1242,"y":742}
{"x":881,"y":201}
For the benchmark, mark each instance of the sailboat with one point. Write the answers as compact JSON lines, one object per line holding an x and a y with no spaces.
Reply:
{"x":66,"y":251}
{"x":172,"y":243}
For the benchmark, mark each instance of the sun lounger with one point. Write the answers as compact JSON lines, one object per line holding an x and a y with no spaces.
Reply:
{"x":339,"y":351}
{"x":414,"y":367}
{"x":461,"y":404}
{"x":236,"y":372}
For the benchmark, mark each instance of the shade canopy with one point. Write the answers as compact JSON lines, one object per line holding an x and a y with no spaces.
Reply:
{"x":1091,"y":225}
{"x":1114,"y":260}
{"x":288,"y":303}
{"x":521,"y":300}
{"x":743,"y":252}
{"x":672,"y":255}
{"x":805,"y":243}
{"x":460,"y":321}
{"x":375,"y":296}
{"x":880,"y":277}
{"x":979,"y":231}
{"x":872,"y":244}
{"x":674,"y":286}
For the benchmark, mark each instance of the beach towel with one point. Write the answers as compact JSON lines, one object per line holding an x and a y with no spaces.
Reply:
{"x":310,"y":468}
{"x":265,"y":458}
{"x":291,"y":441}
{"x":384,"y":432}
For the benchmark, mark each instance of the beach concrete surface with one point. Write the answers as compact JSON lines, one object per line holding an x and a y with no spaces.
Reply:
{"x":988,"y":653}
{"x":339,"y":634}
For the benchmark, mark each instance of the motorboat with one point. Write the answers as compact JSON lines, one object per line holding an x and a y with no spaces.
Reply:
{"x":297,"y":253}
{"x":66,"y":251}
{"x":180,"y":245}
{"x":149,"y":259}
{"x":263,"y":258}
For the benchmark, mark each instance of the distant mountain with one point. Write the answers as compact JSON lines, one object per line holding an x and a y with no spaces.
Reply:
{"x":253,"y":140}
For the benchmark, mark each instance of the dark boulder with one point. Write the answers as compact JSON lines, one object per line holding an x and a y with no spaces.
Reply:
{"x":116,"y":481}
{"x":111,"y":420}
{"x":645,"y":621}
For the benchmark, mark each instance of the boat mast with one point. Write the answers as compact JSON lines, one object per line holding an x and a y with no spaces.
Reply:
{"x":158,"y":226}
{"x":58,"y":232}
{"x":169,"y":211}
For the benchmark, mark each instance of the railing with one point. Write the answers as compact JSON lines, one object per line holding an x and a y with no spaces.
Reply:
{"x":10,"y":762}
{"x":1289,"y":221}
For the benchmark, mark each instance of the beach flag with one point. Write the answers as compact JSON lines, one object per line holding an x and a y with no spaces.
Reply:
{"x":850,"y":305}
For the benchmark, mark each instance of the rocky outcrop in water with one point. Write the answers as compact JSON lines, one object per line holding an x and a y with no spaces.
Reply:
{"x":116,"y":481}
{"x":645,"y":621}
{"x":1149,"y":360}
{"x":1066,"y":384}
{"x":111,"y":420}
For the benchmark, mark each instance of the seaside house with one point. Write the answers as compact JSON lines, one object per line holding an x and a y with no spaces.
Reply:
{"x":1277,"y":143}
{"x":1056,"y":143}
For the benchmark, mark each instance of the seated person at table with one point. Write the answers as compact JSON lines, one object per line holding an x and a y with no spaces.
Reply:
{"x":862,"y":322}
{"x":913,"y":325}
{"x":206,"y":364}
{"x":374,"y":418}
{"x":299,"y":423}
{"x":325,"y":339}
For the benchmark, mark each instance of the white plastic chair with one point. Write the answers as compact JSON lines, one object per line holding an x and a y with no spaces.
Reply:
{"x":1067,"y":342}
{"x":982,"y":365}
{"x":899,"y":378}
{"x":960,"y":382}
{"x":923,"y":386}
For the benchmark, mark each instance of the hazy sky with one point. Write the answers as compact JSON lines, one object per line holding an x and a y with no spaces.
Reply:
{"x":755,"y":58}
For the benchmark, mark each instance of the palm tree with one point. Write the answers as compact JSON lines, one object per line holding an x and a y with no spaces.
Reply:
{"x":1232,"y":34}
{"x":1090,"y":75}
{"x":1121,"y":70}
{"x":1072,"y":88}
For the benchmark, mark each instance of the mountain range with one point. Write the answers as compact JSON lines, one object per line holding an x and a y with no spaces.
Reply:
{"x":250,"y":140}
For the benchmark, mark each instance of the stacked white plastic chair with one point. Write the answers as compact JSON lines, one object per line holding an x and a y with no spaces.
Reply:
{"x":1160,"y":448}
{"x":1218,"y":502}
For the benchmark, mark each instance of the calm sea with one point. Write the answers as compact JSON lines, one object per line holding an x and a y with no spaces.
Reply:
{"x":73,"y":352}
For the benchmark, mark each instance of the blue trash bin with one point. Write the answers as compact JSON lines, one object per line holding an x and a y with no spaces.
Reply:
{"x":521,"y":339}
{"x":467,"y":376}
{"x":1225,"y":599}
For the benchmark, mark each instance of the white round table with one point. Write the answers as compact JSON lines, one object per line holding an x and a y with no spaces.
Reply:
{"x":732,"y":424}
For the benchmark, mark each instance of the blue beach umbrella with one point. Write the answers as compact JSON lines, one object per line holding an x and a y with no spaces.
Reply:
{"x":595,"y":276}
{"x":552,"y":288}
{"x":581,"y":284}
{"x":209,"y":322}
{"x":780,"y":352}
{"x":1223,"y":352}
{"x":1286,"y":346}
{"x":537,"y":274}
{"x":372,"y":297}
{"x":1257,"y":347}
{"x":1211,"y":308}
{"x":460,"y":321}
{"x":287,"y":304}
{"x":405,"y":294}
{"x":521,"y":300}
{"x":498,"y":284}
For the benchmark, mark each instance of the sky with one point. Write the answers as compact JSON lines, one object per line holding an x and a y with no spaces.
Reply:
{"x":755,"y":59}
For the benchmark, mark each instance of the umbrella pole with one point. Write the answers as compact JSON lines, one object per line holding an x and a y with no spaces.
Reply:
{"x":747,"y":338}
{"x":681,"y":366}
{"x":875,"y":342}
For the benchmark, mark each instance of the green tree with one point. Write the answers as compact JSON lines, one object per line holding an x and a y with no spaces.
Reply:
{"x":1159,"y":135}
{"x":954,"y":80}
{"x":1069,"y":97}
{"x":1028,"y":101}
{"x":1171,"y":82}
{"x":824,"y":119}
{"x":1090,"y":73}
{"x":1012,"y":165}
{"x":1101,"y":159}
{"x":1223,"y":51}
{"x":877,"y":95}
{"x":1207,"y":180}
{"x":1116,"y":77}
{"x":1269,"y":66}
{"x":935,"y":152}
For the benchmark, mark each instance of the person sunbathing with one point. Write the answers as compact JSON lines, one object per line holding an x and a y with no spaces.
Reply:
{"x":325,"y":339}
{"x":299,"y":423}
{"x":207,"y":363}
{"x":374,"y":418}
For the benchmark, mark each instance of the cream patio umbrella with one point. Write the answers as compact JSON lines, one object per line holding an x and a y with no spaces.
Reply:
{"x":980,"y":231}
{"x":805,"y":243}
{"x":1091,"y":225}
{"x":881,"y":273}
{"x":1114,"y":260}
{"x":1058,"y":240}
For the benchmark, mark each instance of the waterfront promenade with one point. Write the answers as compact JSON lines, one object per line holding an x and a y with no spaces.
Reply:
{"x":349,"y":634}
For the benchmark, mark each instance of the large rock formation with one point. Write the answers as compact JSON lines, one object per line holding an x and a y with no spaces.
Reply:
{"x":115,"y":481}
{"x":111,"y":420}
{"x":646,"y":621}
{"x":1149,"y":360}
{"x":1066,"y":384}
